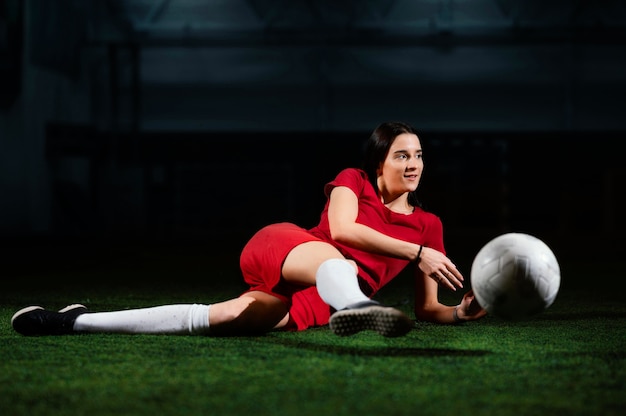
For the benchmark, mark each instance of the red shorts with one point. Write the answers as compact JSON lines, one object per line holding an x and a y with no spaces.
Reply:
{"x":261,"y":264}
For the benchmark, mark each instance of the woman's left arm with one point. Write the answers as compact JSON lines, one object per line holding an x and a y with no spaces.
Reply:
{"x":428,"y":308}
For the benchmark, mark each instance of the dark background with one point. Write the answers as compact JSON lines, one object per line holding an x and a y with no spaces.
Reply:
{"x":186,"y":123}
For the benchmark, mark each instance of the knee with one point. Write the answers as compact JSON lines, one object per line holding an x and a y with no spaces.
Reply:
{"x":334,"y":263}
{"x":353,"y":264}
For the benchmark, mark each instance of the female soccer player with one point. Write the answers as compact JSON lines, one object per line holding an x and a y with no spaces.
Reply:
{"x":371,"y":228}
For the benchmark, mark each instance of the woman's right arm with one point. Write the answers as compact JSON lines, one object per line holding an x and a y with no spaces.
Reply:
{"x":343,"y":210}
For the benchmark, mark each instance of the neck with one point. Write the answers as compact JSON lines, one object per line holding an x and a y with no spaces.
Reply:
{"x":399,"y":204}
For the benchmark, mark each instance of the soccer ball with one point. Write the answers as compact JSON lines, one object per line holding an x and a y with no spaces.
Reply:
{"x":515,"y":276}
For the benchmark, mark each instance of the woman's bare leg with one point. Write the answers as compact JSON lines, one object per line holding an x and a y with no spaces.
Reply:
{"x":302,"y":263}
{"x":318,"y":263}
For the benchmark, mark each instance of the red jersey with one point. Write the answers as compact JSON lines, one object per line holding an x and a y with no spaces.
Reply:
{"x":419,"y":227}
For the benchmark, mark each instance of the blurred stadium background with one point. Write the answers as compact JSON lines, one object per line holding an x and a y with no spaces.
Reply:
{"x":192,"y":121}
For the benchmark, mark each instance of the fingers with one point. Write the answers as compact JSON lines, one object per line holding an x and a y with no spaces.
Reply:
{"x":471,"y":308}
{"x":448,"y":279}
{"x":457,"y":274}
{"x":441,"y":269}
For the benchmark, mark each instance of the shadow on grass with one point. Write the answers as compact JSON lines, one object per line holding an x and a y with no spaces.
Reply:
{"x":570,"y":316}
{"x":381,"y":351}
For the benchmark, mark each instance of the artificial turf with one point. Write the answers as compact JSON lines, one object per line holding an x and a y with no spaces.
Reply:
{"x":567,"y":360}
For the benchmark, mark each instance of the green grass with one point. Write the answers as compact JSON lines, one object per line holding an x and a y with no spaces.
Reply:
{"x":568,"y":360}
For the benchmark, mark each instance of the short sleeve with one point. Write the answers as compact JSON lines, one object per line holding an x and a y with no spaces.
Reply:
{"x":352,"y":178}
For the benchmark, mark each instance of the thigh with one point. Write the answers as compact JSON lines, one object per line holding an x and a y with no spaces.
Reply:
{"x":302,"y":262}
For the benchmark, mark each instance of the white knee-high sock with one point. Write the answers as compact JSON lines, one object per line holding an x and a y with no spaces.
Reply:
{"x":338,"y":285}
{"x":167,"y":319}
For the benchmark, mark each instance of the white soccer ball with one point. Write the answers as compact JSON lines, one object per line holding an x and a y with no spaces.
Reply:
{"x":515,"y":276}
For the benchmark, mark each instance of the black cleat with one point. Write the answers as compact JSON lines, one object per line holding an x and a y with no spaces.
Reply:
{"x":370,"y":315}
{"x":35,"y":320}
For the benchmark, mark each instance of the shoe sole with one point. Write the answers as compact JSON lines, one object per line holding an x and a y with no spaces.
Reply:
{"x":388,"y":322}
{"x":23,"y":311}
{"x":72,"y":307}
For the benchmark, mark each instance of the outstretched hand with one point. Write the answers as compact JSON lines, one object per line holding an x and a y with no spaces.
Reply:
{"x":469,"y":309}
{"x":440,"y":268}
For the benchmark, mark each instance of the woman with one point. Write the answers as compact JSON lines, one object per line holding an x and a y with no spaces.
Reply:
{"x":371,"y":228}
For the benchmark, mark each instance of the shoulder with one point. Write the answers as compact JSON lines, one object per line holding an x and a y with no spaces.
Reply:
{"x":428,"y":217}
{"x":353,"y":173}
{"x":353,"y":178}
{"x":431,"y":229}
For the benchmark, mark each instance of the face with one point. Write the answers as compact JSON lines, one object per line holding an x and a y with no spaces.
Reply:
{"x":401,"y":170}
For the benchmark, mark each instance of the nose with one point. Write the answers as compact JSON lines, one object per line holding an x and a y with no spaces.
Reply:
{"x":413,"y":163}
